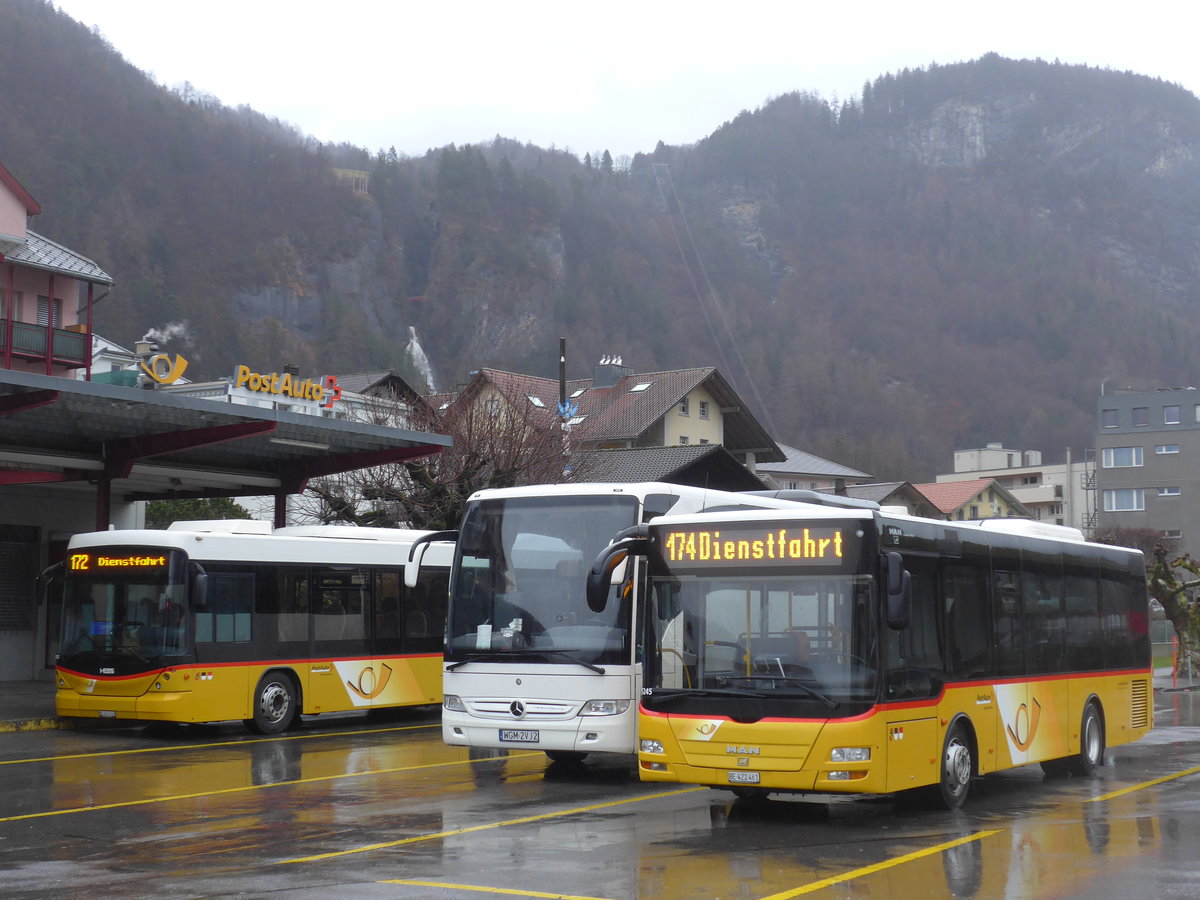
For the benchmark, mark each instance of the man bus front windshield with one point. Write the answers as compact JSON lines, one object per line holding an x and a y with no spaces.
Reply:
{"x":775,"y":636}
{"x":519,"y":588}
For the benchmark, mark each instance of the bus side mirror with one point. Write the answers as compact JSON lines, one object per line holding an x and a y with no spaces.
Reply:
{"x":199,"y":588}
{"x":412,"y":569}
{"x":416,"y":552}
{"x":899,"y":592}
{"x":609,"y":569}
{"x":47,"y":579}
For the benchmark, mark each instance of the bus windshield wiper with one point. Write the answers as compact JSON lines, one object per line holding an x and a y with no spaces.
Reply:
{"x":656,"y":697}
{"x":829,"y":702}
{"x":122,"y":648}
{"x":570,"y":657}
{"x":523,"y":653}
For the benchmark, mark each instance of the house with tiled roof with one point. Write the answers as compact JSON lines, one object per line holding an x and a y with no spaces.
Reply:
{"x":893,"y":493}
{"x":801,"y":470}
{"x":704,"y":466}
{"x":980,"y":498}
{"x":47,"y":292}
{"x":618,"y":409}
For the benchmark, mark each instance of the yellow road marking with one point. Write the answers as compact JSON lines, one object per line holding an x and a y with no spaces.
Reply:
{"x":246,"y":787}
{"x":524,"y":820}
{"x":244,"y":742}
{"x":878,"y":867}
{"x":486,"y":890}
{"x":1144,"y":784}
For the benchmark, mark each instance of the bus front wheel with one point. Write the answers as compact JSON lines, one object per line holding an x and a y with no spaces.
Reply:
{"x":274,"y":704}
{"x":957,"y":767}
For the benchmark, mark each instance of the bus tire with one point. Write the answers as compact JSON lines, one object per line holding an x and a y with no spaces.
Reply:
{"x":956,"y":769}
{"x":274,"y":704}
{"x":1091,"y":742}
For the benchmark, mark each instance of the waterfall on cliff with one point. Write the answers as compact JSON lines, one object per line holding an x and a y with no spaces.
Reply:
{"x":419,"y":360}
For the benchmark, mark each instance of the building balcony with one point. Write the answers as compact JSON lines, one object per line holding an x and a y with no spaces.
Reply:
{"x":29,"y":343}
{"x":1038,"y":493}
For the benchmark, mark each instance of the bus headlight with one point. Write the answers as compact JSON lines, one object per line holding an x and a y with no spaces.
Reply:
{"x":650,"y":746}
{"x":850,"y":754}
{"x":604,"y":707}
{"x":453,"y":703}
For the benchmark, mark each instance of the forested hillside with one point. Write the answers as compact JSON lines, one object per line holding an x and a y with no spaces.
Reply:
{"x":961,"y":254}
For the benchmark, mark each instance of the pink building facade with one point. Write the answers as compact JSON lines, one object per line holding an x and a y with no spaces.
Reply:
{"x":46,"y":292}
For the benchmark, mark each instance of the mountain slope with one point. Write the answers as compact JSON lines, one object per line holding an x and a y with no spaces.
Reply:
{"x":962,"y":254}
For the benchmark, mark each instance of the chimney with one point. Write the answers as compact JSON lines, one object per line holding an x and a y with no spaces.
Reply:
{"x":609,"y":371}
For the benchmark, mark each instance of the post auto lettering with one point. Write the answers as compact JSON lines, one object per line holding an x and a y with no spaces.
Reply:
{"x":284,"y":385}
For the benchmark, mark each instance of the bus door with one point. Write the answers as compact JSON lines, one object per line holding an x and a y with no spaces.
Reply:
{"x":406,"y":637}
{"x":341,"y":674}
{"x":967,"y":626}
{"x":1044,"y":731}
{"x":1011,"y":686}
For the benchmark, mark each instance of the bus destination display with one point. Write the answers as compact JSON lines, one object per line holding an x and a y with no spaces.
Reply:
{"x":88,"y":562}
{"x":763,"y":545}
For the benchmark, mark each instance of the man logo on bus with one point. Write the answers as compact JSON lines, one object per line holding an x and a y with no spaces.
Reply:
{"x":367,"y":688}
{"x":1024,"y":726}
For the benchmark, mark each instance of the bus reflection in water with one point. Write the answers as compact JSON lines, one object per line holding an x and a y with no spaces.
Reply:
{"x":231,"y":619}
{"x":846,"y":649}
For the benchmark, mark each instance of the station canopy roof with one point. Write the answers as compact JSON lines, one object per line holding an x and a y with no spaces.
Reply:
{"x":152,"y":445}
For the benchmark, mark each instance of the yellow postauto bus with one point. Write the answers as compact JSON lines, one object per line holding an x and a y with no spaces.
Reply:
{"x":843,"y":648}
{"x":213,"y":621}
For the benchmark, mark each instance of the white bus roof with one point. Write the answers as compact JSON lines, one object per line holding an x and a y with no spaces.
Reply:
{"x":316,"y":544}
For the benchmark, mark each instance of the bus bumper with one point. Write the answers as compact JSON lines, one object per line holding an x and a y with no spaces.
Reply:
{"x":580,"y":734}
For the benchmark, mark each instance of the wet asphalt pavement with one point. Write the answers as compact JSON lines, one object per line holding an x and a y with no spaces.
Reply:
{"x":383,"y":809}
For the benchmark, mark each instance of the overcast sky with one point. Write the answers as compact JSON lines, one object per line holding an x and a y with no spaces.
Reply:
{"x":596,"y":76}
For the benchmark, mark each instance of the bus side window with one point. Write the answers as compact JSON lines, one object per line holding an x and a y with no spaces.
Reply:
{"x":425,"y":612}
{"x":968,"y":622}
{"x":914,"y":666}
{"x":386,"y":615}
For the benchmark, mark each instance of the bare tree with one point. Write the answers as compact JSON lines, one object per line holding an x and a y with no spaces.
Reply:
{"x":495,"y":445}
{"x":1172,"y":580}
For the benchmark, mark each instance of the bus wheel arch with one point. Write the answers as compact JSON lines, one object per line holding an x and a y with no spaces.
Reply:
{"x":275,"y":704}
{"x":1092,"y":730}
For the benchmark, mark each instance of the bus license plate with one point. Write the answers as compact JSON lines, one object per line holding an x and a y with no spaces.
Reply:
{"x":743,"y":777}
{"x":520,"y":737}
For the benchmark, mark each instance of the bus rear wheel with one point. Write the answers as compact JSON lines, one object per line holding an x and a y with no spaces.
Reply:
{"x":274,"y":704}
{"x":1091,"y":742}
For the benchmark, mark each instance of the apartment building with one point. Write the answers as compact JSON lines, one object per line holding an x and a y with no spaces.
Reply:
{"x":1058,"y":494}
{"x":1148,"y":462}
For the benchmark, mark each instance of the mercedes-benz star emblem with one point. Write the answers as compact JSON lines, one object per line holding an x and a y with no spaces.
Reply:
{"x":517,"y":708}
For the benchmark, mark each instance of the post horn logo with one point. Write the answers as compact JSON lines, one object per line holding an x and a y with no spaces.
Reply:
{"x":368,"y":687}
{"x":163,"y":369}
{"x":1025,"y":725}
